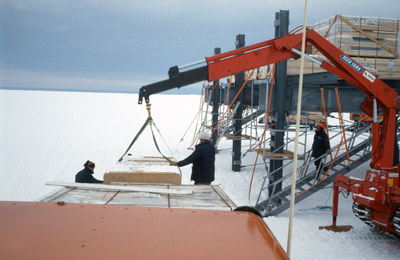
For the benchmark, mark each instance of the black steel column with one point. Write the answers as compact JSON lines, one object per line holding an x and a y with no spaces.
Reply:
{"x":237,"y":142}
{"x":216,"y":98}
{"x":281,"y":28}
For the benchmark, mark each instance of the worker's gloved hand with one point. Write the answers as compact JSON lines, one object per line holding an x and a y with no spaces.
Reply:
{"x":173,"y":163}
{"x":328,"y":151}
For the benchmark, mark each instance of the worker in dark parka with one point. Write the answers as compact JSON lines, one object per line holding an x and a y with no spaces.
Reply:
{"x":86,"y":175}
{"x":203,"y":159}
{"x":320,"y":146}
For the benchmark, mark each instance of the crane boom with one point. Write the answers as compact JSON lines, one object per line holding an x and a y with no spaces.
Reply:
{"x":286,"y":47}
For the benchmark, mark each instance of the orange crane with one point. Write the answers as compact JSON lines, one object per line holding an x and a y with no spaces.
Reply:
{"x":377,"y":198}
{"x":362,"y":117}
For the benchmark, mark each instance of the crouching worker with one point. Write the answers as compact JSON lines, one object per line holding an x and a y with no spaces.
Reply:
{"x":86,"y":175}
{"x":203,"y":159}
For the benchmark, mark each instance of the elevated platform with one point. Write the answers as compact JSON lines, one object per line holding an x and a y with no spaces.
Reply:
{"x":266,"y":152}
{"x":210,"y":197}
{"x":233,"y":137}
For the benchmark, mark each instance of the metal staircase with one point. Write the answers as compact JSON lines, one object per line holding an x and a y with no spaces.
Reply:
{"x":272,"y":201}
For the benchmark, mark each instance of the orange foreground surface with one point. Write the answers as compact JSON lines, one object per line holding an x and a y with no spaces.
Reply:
{"x":44,"y":230}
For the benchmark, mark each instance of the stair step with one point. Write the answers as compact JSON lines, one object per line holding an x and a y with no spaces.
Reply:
{"x":300,"y":188}
{"x":283,"y":199}
{"x":302,"y":183}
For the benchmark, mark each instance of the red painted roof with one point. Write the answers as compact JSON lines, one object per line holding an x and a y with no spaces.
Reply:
{"x":44,"y":230}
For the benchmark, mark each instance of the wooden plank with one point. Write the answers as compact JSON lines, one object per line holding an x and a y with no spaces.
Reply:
{"x":157,"y":157}
{"x":118,"y":188}
{"x":218,"y":189}
{"x":150,"y":160}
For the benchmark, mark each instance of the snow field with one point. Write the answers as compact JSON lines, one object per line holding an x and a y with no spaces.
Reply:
{"x":47,"y":136}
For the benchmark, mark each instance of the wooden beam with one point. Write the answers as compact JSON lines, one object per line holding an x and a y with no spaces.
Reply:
{"x":118,"y":188}
{"x":369,"y":36}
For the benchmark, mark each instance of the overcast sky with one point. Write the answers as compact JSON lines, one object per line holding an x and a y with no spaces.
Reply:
{"x":125,"y":44}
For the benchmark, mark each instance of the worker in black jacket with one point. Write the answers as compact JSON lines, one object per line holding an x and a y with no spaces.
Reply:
{"x":203,"y":159}
{"x":320,"y":146}
{"x":86,"y":175}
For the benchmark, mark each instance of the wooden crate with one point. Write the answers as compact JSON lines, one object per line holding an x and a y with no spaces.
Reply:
{"x":148,"y":169}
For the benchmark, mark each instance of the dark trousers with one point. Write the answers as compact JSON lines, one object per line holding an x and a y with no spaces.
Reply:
{"x":318,"y":167}
{"x":202,"y":183}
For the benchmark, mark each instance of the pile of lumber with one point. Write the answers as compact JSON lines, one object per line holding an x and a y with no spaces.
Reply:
{"x":357,"y":36}
{"x":370,"y":41}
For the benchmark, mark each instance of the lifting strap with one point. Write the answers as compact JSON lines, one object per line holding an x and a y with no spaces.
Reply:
{"x":149,"y":121}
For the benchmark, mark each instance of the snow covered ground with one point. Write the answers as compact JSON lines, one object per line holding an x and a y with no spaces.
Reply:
{"x":47,"y":136}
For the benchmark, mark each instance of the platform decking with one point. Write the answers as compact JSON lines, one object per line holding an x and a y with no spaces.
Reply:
{"x":210,"y":197}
